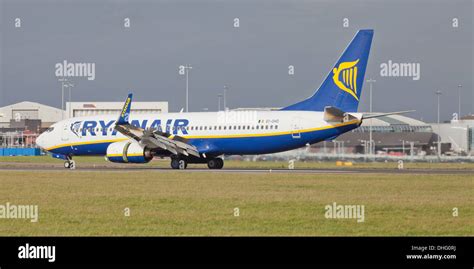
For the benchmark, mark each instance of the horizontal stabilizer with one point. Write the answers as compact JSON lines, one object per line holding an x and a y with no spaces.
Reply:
{"x":377,"y":115}
{"x":334,"y":114}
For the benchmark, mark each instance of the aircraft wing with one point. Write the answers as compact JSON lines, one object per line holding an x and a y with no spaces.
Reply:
{"x":153,"y":139}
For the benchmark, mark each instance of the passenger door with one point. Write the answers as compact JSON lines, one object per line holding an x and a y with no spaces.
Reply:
{"x":65,"y":132}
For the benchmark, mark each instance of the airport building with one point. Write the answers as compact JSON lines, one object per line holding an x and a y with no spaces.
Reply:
{"x":28,"y":115}
{"x":399,"y":135}
{"x":22,"y":122}
{"x":391,"y":135}
{"x":80,"y":109}
{"x":458,"y":134}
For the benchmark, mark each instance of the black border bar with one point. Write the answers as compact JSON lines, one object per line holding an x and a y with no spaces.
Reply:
{"x":240,"y":250}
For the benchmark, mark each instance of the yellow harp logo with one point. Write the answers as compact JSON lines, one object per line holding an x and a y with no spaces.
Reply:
{"x":347,"y":71}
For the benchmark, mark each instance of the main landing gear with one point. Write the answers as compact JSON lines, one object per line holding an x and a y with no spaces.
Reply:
{"x":216,"y":163}
{"x":70,"y":164}
{"x":179,"y":163}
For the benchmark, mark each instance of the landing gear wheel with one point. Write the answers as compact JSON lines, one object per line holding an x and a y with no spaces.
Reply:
{"x":216,"y":163}
{"x":179,"y":164}
{"x":70,"y":164}
{"x":183,"y":164}
{"x":220,"y":163}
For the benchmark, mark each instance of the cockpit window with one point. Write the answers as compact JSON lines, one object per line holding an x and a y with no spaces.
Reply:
{"x":50,"y":129}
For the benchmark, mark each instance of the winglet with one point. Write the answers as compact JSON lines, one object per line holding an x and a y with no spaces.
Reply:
{"x":123,"y":118}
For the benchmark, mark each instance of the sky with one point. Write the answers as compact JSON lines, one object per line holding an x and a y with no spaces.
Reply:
{"x":252,"y":59}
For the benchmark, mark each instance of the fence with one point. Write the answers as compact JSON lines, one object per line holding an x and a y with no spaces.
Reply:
{"x":18,"y":140}
{"x":18,"y":144}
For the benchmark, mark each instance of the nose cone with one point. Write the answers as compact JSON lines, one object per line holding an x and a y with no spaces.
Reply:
{"x":40,"y":141}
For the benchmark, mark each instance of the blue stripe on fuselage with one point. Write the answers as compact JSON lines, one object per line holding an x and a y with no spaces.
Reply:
{"x":231,"y":146}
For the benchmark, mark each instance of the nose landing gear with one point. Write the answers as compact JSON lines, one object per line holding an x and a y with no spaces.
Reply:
{"x":70,"y":164}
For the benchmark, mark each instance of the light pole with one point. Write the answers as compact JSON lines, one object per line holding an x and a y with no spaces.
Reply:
{"x":69,"y":86}
{"x":370,"y":81}
{"x":62,"y":96}
{"x":186,"y":72}
{"x":459,"y":104}
{"x":225,"y":96}
{"x":438,"y":93}
{"x":63,"y":84}
{"x":219,"y":96}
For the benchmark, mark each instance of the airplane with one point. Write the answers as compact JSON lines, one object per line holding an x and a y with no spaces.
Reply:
{"x":205,"y":137}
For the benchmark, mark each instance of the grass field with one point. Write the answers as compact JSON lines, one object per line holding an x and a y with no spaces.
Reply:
{"x":202,"y":203}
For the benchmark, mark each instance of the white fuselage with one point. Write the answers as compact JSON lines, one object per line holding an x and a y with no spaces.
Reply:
{"x":231,"y":132}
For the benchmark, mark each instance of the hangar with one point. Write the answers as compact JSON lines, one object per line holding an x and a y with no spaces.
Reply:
{"x":80,"y":109}
{"x":35,"y":116}
{"x":23,"y":114}
{"x":22,"y":122}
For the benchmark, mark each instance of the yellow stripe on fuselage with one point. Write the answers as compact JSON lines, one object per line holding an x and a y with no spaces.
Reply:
{"x":217,"y":136}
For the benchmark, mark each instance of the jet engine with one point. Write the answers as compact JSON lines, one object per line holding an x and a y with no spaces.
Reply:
{"x":128,"y":152}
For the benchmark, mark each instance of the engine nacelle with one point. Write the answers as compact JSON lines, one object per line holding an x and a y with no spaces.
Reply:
{"x":128,"y":152}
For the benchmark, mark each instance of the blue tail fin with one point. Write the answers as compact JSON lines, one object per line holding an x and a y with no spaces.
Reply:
{"x":343,"y":85}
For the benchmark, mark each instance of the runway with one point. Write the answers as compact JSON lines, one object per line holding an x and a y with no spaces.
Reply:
{"x":31,"y":167}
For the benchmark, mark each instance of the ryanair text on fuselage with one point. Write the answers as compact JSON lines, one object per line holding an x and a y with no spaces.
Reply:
{"x":176,"y":126}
